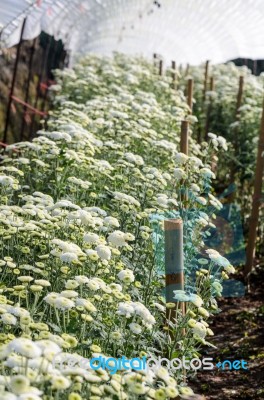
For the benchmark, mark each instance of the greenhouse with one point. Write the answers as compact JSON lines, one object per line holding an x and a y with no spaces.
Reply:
{"x":131,"y":199}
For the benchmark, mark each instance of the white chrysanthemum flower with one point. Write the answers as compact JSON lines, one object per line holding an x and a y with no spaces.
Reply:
{"x":162,"y":200}
{"x":111,"y":221}
{"x":93,"y":285}
{"x":58,"y":135}
{"x":86,"y":218}
{"x":8,"y":396}
{"x":72,"y":284}
{"x":222,"y":142}
{"x":117,"y":238}
{"x":229,"y":269}
{"x":91,"y":237}
{"x":195,"y":188}
{"x":135,"y":328}
{"x":86,"y":304}
{"x":201,"y":200}
{"x":203,"y":312}
{"x":179,"y":173}
{"x":69,"y":294}
{"x":195,"y":161}
{"x":144,"y":313}
{"x":125,"y":309}
{"x":217,"y":286}
{"x":25,"y":347}
{"x":126,"y":276}
{"x":50,"y":298}
{"x":19,"y":384}
{"x":6,"y":180}
{"x":42,"y":282}
{"x":181,"y":158}
{"x":60,"y":382}
{"x":8,"y":319}
{"x":212,"y":252}
{"x":196,"y":300}
{"x":92,"y":254}
{"x":207,"y":173}
{"x":103,"y":252}
{"x":181,"y":295}
{"x":199,"y":329}
{"x":159,"y":307}
{"x":68,"y":257}
{"x":48,"y":345}
{"x":62,"y":303}
{"x":81,"y":279}
{"x":212,"y":135}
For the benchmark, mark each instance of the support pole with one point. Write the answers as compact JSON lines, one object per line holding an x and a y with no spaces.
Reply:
{"x":253,"y":225}
{"x":235,"y":140}
{"x":173,"y":66}
{"x":190,"y":94}
{"x":52,"y":50}
{"x":209,"y":109}
{"x":184,"y":144}
{"x":155,"y":57}
{"x":13,"y":81}
{"x":32,"y":51}
{"x":205,"y":78}
{"x":239,"y":96}
{"x":40,"y":78}
{"x":160,"y":67}
{"x":173,"y":261}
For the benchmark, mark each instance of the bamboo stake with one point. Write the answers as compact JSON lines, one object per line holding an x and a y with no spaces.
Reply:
{"x":205,"y":79}
{"x":250,"y":253}
{"x":190,"y":94}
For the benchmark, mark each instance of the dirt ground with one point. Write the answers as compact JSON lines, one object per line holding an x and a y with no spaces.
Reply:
{"x":239,"y":334}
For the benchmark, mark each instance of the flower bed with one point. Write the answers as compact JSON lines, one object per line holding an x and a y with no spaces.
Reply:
{"x":82,"y":206}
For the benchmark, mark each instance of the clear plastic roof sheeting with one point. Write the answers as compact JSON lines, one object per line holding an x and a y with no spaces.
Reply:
{"x":188,"y":31}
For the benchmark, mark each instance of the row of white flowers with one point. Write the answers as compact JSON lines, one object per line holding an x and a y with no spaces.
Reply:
{"x":79,"y":252}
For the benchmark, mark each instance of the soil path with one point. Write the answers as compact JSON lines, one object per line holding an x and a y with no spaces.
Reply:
{"x":239,"y":334}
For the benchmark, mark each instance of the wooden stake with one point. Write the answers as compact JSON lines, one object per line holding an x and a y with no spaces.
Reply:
{"x":13,"y":81}
{"x":29,"y":78}
{"x":253,"y":222}
{"x":155,"y":59}
{"x":235,"y":134}
{"x":160,"y":67}
{"x":173,"y":261}
{"x":40,"y":78}
{"x":209,"y":109}
{"x":190,"y":94}
{"x":239,"y":96}
{"x":205,"y":79}
{"x":184,"y":144}
{"x":173,"y":66}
